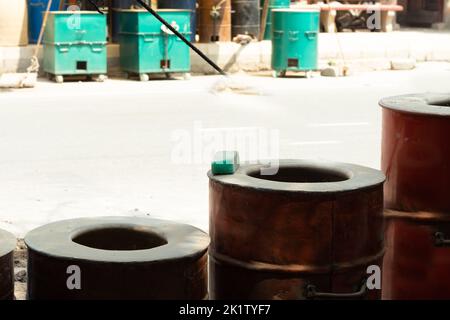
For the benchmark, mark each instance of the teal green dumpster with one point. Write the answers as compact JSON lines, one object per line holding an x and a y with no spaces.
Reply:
{"x":148,"y":47}
{"x":273,"y":4}
{"x":295,"y":40}
{"x":75,"y":44}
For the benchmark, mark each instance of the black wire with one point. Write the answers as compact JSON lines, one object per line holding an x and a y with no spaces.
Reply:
{"x":96,"y":7}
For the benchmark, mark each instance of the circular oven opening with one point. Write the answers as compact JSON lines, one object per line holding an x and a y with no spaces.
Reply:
{"x":298,"y":174}
{"x":119,"y":239}
{"x":441,"y":103}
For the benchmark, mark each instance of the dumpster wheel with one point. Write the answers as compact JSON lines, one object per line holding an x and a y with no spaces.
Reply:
{"x":279,"y":74}
{"x":59,"y":79}
{"x":144,"y":77}
{"x":99,"y":78}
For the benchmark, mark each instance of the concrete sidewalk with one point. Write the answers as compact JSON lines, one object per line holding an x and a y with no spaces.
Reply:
{"x":360,"y":50}
{"x":143,"y":149}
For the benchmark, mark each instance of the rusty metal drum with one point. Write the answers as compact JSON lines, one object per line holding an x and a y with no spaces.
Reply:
{"x":310,"y":231}
{"x":7,"y":246}
{"x":416,"y":161}
{"x":117,"y":258}
{"x":214,"y":20}
{"x":245,"y":18}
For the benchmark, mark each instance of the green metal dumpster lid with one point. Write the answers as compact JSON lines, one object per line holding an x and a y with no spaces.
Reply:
{"x":299,"y":9}
{"x":69,"y":12}
{"x":157,"y":10}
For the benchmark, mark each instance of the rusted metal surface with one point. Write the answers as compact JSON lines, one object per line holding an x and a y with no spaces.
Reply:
{"x":310,"y":231}
{"x":416,"y":161}
{"x":422,"y":12}
{"x":118,"y":258}
{"x":214,"y":20}
{"x":245,"y":17}
{"x":7,"y":246}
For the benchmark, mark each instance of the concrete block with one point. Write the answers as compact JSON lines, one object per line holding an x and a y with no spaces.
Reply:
{"x":403,"y":64}
{"x":265,"y":54}
{"x":18,"y":80}
{"x":363,"y":65}
{"x":331,"y":71}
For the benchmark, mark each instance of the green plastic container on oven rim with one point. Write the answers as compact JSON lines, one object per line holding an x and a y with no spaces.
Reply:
{"x":75,"y":44}
{"x":147,"y":46}
{"x":295,"y":39}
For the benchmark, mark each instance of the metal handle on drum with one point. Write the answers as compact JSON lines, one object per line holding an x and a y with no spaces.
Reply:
{"x":440,"y":240}
{"x":63,"y":47}
{"x":277,"y":34}
{"x":311,"y":34}
{"x":293,"y":35}
{"x":311,"y":293}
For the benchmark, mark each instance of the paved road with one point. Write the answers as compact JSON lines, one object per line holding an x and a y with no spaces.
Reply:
{"x":130,"y":148}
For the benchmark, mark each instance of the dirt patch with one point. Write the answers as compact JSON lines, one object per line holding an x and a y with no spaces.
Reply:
{"x":20,"y":270}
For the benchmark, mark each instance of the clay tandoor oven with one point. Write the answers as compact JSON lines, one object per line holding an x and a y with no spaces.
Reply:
{"x":117,"y":258}
{"x":308,"y":232}
{"x":7,"y":246}
{"x":416,"y":161}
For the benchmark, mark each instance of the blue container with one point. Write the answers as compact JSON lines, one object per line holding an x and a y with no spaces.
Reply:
{"x":186,"y":5}
{"x":36,"y":9}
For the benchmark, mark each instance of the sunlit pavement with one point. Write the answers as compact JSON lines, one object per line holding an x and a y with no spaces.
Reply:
{"x":143,"y":149}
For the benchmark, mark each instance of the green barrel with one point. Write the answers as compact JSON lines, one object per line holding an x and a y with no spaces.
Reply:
{"x":75,"y":44}
{"x":295,"y":39}
{"x":273,"y":4}
{"x":146,"y":46}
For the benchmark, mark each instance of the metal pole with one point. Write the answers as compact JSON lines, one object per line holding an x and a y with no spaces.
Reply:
{"x":265,"y":14}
